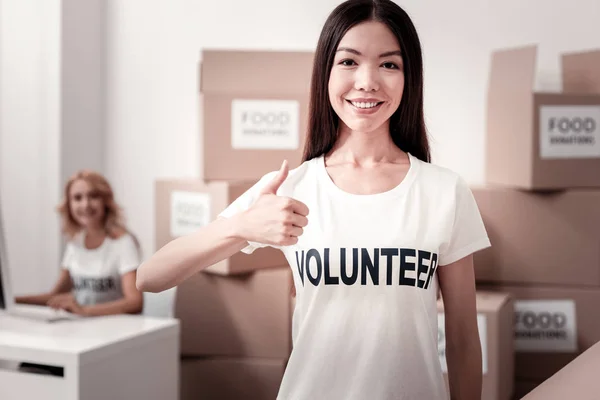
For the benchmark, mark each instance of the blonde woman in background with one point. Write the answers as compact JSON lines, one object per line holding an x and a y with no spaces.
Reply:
{"x":98,"y":270}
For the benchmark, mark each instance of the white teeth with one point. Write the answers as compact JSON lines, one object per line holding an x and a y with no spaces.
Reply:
{"x":364,"y":105}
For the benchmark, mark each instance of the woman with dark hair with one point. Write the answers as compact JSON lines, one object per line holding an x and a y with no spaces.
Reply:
{"x":386,"y":228}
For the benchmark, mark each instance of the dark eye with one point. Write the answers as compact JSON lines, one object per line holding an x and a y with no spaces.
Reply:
{"x":94,"y":195}
{"x":347,"y":63}
{"x":390,"y":65}
{"x":77,"y":197}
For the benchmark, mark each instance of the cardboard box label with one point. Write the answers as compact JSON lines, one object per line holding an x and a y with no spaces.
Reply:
{"x":545,"y":326}
{"x":481,"y":325}
{"x":569,"y":132}
{"x":265,"y":124}
{"x":189,"y":212}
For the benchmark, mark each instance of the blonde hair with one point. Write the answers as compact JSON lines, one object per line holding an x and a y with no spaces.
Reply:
{"x":114,"y":223}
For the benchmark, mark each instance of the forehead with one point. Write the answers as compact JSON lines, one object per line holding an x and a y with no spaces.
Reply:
{"x":370,"y":37}
{"x":80,"y":186}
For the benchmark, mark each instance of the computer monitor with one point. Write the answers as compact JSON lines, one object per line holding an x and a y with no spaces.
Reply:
{"x":6,"y":295}
{"x":7,"y":301}
{"x":2,"y":307}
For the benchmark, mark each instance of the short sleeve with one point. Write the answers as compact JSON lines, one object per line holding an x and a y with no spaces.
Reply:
{"x":245,"y":201}
{"x":67,"y":259}
{"x":129,"y":257}
{"x":468,"y":234}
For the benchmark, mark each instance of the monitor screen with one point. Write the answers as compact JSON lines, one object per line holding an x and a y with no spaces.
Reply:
{"x":5,"y":290}
{"x":2,"y":302}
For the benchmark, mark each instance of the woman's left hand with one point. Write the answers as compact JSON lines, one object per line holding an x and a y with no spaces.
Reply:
{"x":68,"y":303}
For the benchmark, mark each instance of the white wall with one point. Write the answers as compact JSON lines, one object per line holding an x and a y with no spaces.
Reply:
{"x":52,"y":123}
{"x":83,"y":85}
{"x":151,"y":104}
{"x":29,"y":139}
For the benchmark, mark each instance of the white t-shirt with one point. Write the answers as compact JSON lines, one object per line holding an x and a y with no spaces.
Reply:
{"x":96,"y":273}
{"x":365,"y":322}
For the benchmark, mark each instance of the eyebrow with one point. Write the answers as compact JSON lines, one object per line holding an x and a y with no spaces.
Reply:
{"x":358,"y":53}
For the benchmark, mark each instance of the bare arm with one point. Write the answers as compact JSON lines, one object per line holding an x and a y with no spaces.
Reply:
{"x":463,"y":348}
{"x":131,"y":303}
{"x":272,"y":220}
{"x":63,"y":285}
{"x":187,"y":255}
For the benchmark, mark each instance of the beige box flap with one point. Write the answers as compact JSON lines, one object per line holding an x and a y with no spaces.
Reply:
{"x":486,"y":301}
{"x":581,"y":72}
{"x":491,"y":302}
{"x":509,"y":114}
{"x":567,"y":99}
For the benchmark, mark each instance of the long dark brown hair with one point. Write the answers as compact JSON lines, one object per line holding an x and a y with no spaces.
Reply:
{"x":407,"y":124}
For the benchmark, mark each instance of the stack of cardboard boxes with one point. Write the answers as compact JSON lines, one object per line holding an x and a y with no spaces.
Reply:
{"x":541,"y":207}
{"x":236,"y":315}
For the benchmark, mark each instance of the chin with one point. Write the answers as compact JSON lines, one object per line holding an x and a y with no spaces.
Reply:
{"x":363,"y":126}
{"x":83,"y":224}
{"x":87,"y":223}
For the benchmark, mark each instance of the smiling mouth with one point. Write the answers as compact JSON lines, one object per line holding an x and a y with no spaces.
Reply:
{"x":365,"y":105}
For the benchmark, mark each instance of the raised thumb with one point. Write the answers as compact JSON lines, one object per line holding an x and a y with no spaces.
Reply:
{"x":271,"y":187}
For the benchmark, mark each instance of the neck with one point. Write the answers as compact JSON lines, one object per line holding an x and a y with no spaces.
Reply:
{"x":95,"y":232}
{"x":364,"y":148}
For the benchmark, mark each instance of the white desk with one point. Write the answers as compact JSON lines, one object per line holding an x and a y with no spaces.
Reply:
{"x":125,"y":357}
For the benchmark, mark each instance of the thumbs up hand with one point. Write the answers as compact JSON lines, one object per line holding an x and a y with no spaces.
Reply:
{"x":277,"y":181}
{"x":272,"y":219}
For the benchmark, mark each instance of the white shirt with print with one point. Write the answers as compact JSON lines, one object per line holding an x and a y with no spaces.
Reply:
{"x":365,"y":322}
{"x":96,"y":273}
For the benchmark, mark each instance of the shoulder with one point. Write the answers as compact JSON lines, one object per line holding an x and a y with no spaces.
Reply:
{"x":124,"y":238}
{"x":75,"y":242}
{"x":124,"y":242}
{"x":118,"y":232}
{"x":439,"y":177}
{"x":305,"y":172}
{"x":127,"y":248}
{"x":441,"y":184}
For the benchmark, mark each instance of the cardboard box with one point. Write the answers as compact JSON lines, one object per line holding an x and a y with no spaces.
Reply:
{"x":552,"y":326}
{"x":231,"y":378}
{"x":581,"y":72}
{"x":538,"y":140}
{"x":578,"y":380}
{"x":540,"y":238}
{"x":183,"y":206}
{"x":494,"y":319}
{"x":254,"y":107}
{"x":238,"y":316}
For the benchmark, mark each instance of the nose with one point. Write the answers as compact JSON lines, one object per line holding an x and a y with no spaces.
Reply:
{"x":367,"y":78}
